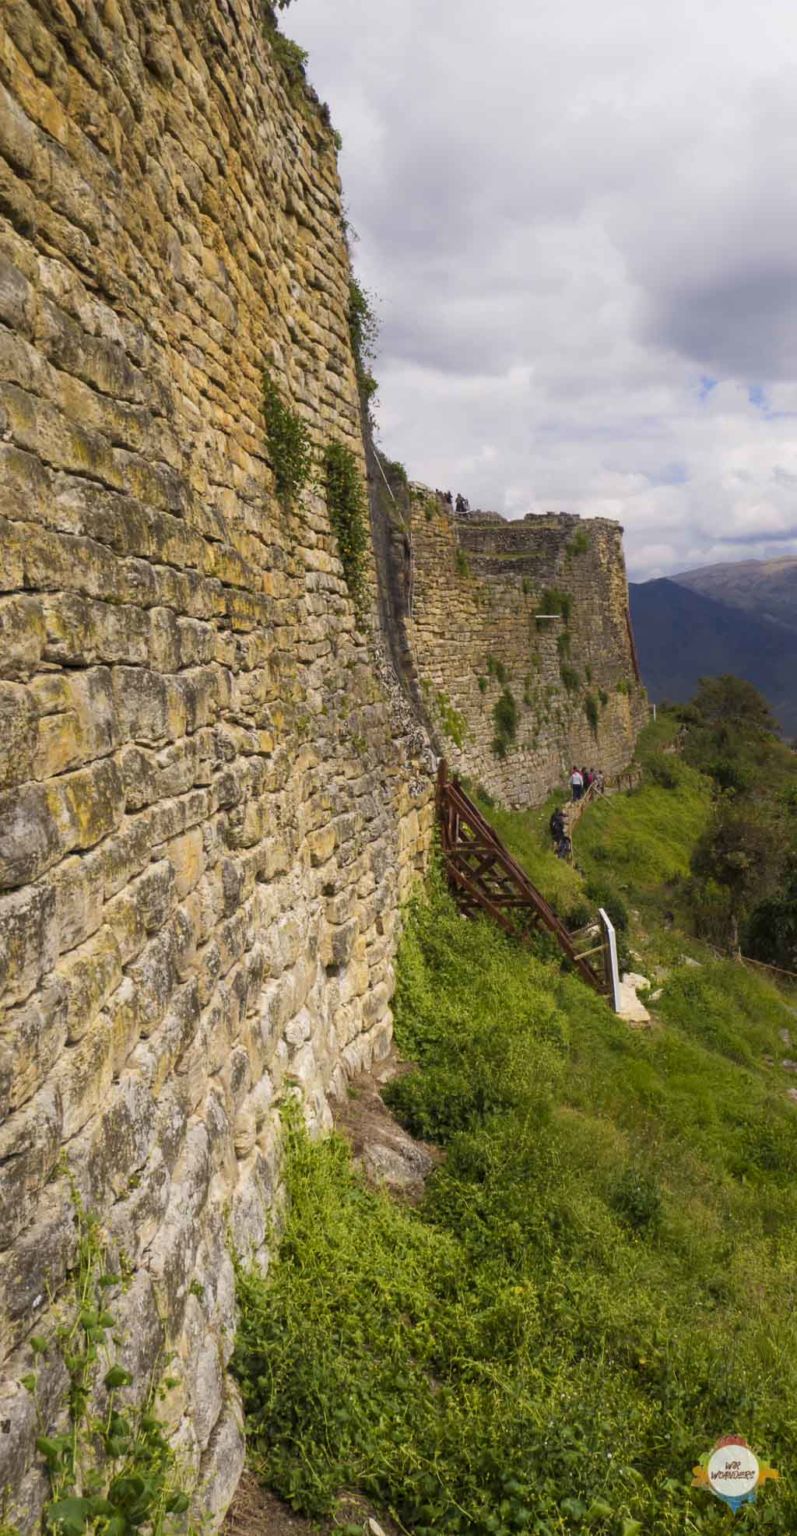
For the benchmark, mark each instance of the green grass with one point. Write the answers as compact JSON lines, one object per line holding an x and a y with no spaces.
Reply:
{"x":601,"y":1280}
{"x":602,"y":1277}
{"x":646,"y":836}
{"x":528,"y":839}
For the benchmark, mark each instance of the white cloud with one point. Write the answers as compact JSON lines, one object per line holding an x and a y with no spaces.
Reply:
{"x":572,"y":216}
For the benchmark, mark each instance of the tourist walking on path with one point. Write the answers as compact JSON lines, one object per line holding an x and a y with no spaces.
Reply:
{"x":577,"y":783}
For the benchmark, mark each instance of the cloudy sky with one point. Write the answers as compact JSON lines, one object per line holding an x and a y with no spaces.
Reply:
{"x":579,"y":218}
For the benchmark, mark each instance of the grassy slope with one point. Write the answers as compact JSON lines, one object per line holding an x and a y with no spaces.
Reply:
{"x":602,"y":1278}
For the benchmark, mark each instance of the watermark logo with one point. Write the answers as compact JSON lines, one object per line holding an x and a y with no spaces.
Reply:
{"x":732,"y":1471}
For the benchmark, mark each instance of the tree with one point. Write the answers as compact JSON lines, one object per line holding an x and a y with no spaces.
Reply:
{"x":741,"y":852}
{"x":731,"y":703}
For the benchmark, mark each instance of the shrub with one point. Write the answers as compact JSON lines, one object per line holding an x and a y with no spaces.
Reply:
{"x":505,"y":719}
{"x":288,"y":442}
{"x":664,"y":771}
{"x":553,"y":601}
{"x":496,"y":669}
{"x":637,"y":1199}
{"x":579,"y":544}
{"x":452,"y":722}
{"x":348,"y":514}
{"x":624,"y":686}
{"x":570,"y":678}
{"x":482,"y":682}
{"x":463,"y":566}
{"x":563,"y":645}
{"x":591,"y":712}
{"x":603,"y":894}
{"x":579,"y":915}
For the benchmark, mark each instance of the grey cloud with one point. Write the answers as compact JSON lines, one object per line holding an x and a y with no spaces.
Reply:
{"x":569,"y":214}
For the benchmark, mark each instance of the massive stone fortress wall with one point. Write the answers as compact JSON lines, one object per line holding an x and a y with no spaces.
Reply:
{"x":478,"y":588}
{"x":208,"y":814}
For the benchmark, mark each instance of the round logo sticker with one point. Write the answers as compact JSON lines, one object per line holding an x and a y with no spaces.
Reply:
{"x":732,"y":1471}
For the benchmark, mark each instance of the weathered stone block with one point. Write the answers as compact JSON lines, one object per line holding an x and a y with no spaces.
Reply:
{"x":31,"y":839}
{"x":17,"y":734}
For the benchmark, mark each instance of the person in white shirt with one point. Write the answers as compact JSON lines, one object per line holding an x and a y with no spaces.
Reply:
{"x":577,"y":783}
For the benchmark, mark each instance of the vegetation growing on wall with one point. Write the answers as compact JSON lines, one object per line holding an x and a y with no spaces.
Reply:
{"x":553,"y":602}
{"x":363,"y":327}
{"x":496,"y":669}
{"x":570,"y":678}
{"x":591,"y":712}
{"x":348,"y":514}
{"x":579,"y":544}
{"x":288,"y":443}
{"x":463,"y":564}
{"x":451,"y":720}
{"x":111,"y":1469}
{"x":505,"y":721}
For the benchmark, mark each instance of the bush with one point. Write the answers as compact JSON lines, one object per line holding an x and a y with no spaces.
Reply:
{"x":505,"y":720}
{"x":496,"y":669}
{"x":348,"y":514}
{"x":604,"y":895}
{"x":771,"y":932}
{"x":570,"y":678}
{"x":553,"y":601}
{"x":664,"y":771}
{"x":451,"y":720}
{"x":591,"y":712}
{"x":579,"y":544}
{"x":288,"y":442}
{"x":637,"y":1199}
{"x":579,"y":915}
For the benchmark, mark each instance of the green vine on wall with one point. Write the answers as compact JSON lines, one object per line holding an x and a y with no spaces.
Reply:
{"x":505,"y":721}
{"x":555,"y":602}
{"x":111,"y":1470}
{"x":348,"y":515}
{"x":288,"y":442}
{"x":363,"y":329}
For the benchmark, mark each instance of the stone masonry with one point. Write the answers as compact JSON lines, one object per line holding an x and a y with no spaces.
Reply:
{"x":478,"y":585}
{"x":210,"y":809}
{"x":214,"y":796}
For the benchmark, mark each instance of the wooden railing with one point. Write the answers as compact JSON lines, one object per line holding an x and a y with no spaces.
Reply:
{"x":486,"y":878}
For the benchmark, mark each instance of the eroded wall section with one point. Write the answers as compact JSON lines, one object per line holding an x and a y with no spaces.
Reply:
{"x":209,"y":813}
{"x":525,"y":620}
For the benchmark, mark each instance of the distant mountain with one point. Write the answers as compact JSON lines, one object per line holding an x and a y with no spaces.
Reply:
{"x":683,"y":636}
{"x":767,"y":588}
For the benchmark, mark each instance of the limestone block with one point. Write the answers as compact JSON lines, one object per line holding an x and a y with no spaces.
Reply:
{"x":31,"y":839}
{"x":29,"y":1146}
{"x":87,"y":805}
{"x":31,"y":1040}
{"x":28,"y":940}
{"x":17,"y":734}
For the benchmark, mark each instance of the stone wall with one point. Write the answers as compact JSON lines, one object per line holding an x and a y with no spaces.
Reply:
{"x":478,"y":585}
{"x":212,"y":803}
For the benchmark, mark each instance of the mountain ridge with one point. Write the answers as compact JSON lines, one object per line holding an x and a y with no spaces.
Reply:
{"x":683,"y":635}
